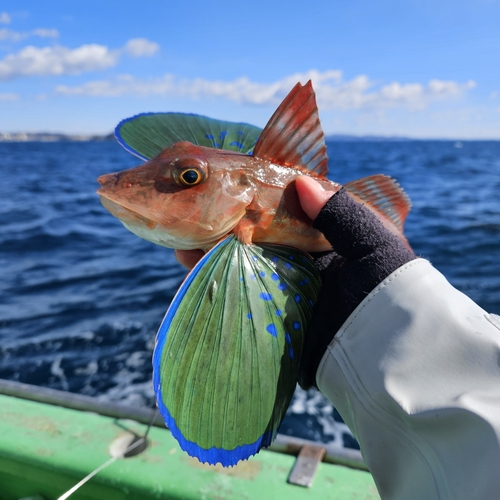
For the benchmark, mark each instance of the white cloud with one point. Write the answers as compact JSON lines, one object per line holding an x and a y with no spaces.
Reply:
{"x":332,"y":91}
{"x":45,"y":33}
{"x":448,"y":88}
{"x":32,"y":61}
{"x":58,"y":60}
{"x":8,"y":97}
{"x":11,"y":36}
{"x":140,"y":47}
{"x":240,"y":90}
{"x":4,"y":18}
{"x":494,"y":95}
{"x":15,"y":36}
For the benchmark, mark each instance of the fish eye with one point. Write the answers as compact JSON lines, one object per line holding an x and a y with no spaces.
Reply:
{"x":188,"y":171}
{"x":190,"y":177}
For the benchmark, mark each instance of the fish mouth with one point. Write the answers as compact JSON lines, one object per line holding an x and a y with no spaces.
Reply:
{"x":171,"y":237}
{"x":124,"y":213}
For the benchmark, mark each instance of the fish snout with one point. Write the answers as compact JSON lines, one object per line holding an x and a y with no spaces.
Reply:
{"x":110,"y":180}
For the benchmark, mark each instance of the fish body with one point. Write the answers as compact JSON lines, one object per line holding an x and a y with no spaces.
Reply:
{"x":191,"y":196}
{"x":252,"y":198}
{"x":227,"y":353}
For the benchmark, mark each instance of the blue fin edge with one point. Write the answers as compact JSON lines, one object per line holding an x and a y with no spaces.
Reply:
{"x":213,"y":455}
{"x":122,"y":142}
{"x":125,"y":146}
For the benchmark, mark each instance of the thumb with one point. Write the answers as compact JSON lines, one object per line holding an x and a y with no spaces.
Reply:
{"x":312,"y":196}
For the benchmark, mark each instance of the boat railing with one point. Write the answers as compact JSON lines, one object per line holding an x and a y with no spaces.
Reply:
{"x":282,"y":444}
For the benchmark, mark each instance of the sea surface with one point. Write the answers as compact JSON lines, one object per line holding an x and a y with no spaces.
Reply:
{"x":81,"y":298}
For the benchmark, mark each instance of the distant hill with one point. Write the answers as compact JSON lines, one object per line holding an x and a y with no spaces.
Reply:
{"x":48,"y":137}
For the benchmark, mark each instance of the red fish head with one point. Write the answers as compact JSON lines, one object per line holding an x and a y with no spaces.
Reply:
{"x":186,"y":197}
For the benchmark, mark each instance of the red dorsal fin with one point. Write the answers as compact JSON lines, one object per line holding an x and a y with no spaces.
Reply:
{"x":384,"y":195}
{"x":293,"y":136}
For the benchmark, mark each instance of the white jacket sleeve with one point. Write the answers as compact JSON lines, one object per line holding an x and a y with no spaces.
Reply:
{"x":415,"y":373}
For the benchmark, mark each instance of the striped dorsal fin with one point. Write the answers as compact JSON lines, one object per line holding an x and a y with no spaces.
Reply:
{"x":293,"y":136}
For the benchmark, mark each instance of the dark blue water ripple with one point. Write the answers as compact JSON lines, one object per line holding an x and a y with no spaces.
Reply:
{"x":81,"y":297}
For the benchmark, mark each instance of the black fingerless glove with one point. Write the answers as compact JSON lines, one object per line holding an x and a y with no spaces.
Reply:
{"x":365,"y":253}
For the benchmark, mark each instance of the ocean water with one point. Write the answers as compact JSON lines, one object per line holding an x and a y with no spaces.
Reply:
{"x":81,"y":298}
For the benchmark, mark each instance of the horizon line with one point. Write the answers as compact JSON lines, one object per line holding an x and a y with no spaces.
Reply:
{"x":54,"y":136}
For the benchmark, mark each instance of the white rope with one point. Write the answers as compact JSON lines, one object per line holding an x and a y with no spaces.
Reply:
{"x":109,"y":462}
{"x":100,"y":468}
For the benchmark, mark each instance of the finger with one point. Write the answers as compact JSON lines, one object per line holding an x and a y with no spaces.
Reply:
{"x":312,"y":196}
{"x":189,"y":258}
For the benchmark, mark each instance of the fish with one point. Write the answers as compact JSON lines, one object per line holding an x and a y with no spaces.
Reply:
{"x":227,"y":352}
{"x":193,"y":193}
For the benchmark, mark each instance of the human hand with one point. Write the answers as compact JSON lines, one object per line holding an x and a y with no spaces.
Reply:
{"x":365,"y":253}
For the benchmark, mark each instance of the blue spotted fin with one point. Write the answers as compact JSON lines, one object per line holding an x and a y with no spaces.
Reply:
{"x":147,"y":134}
{"x":225,"y":364}
{"x":293,"y":136}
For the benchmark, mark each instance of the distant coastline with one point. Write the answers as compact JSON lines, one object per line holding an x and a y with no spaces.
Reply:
{"x":50,"y":137}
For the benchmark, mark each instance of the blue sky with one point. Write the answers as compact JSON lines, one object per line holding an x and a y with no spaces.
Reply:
{"x":423,"y":68}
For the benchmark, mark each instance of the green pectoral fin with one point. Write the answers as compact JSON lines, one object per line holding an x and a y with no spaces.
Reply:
{"x":227,"y":353}
{"x":147,"y":134}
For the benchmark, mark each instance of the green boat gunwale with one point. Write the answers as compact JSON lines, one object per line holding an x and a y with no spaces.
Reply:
{"x":50,"y":440}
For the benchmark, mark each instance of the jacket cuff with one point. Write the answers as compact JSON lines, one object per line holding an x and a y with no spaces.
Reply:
{"x":414,"y":373}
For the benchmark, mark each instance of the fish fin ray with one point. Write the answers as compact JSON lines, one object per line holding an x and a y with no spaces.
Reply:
{"x":385,"y":195}
{"x":293,"y":136}
{"x":147,"y":134}
{"x":222,"y":351}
